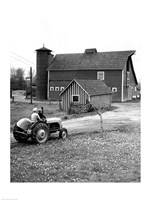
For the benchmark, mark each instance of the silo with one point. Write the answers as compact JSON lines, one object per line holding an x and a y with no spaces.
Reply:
{"x":44,"y":58}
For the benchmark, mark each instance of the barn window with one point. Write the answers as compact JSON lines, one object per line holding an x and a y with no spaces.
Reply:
{"x":62,"y":88}
{"x":75,"y":98}
{"x":114,"y":89}
{"x":51,"y":88}
{"x":56,"y":88}
{"x":100,"y":76}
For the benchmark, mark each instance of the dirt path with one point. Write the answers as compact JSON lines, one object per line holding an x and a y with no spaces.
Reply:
{"x":123,"y":114}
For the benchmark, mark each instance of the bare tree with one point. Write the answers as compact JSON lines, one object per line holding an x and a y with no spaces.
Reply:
{"x":99,"y":111}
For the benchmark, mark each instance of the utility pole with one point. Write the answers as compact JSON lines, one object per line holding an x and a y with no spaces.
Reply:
{"x":31,"y":85}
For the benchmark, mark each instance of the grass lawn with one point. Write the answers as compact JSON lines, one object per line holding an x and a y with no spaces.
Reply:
{"x":114,"y":157}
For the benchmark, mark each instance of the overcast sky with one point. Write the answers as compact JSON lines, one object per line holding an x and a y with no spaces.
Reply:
{"x":67,"y":26}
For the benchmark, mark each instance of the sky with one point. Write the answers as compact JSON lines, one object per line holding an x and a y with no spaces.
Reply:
{"x":71,"y":26}
{"x":67,"y":26}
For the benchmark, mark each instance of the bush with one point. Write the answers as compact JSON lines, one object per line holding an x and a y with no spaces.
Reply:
{"x":80,"y":108}
{"x":91,"y":108}
{"x":33,"y":91}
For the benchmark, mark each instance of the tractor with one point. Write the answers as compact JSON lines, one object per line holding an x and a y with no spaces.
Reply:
{"x":40,"y":131}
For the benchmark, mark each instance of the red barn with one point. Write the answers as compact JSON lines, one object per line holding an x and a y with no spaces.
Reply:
{"x":114,"y":68}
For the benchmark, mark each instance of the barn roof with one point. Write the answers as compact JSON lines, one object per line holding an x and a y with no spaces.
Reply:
{"x":92,"y":87}
{"x":95,"y":60}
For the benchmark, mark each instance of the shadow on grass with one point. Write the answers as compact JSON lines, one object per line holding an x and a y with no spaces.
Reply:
{"x":20,"y":144}
{"x":54,"y":138}
{"x":30,"y":142}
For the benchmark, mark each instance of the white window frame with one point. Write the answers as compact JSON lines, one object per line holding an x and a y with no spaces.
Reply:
{"x":78,"y":98}
{"x":57,"y":89}
{"x":62,"y":88}
{"x":99,"y":73}
{"x":51,"y":89}
{"x":114,"y":89}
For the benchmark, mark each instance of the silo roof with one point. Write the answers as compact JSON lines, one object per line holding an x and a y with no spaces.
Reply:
{"x":43,"y":49}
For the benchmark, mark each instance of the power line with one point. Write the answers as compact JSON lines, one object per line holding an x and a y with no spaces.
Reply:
{"x":22,"y":58}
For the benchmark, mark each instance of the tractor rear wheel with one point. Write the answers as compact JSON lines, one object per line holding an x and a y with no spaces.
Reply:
{"x":40,"y":133}
{"x":20,"y":139}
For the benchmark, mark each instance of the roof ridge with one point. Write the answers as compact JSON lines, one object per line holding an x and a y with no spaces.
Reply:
{"x":121,"y":51}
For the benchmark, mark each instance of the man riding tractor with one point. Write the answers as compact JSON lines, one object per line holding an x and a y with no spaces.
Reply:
{"x":38,"y":130}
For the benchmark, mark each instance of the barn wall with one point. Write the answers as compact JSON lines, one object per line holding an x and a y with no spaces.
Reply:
{"x":125,"y":84}
{"x":54,"y":95}
{"x":129,"y":86}
{"x":125,"y":93}
{"x":73,"y":89}
{"x":73,"y":74}
{"x":57,"y":78}
{"x":113,"y":78}
{"x":132,"y":84}
{"x":101,"y":100}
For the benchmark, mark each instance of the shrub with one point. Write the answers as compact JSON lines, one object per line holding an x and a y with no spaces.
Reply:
{"x":33,"y":91}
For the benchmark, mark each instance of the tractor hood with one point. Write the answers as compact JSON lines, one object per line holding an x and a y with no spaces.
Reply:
{"x":53,"y":120}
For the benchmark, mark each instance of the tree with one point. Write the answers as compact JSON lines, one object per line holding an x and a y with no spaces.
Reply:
{"x":17,"y":79}
{"x":33,"y":84}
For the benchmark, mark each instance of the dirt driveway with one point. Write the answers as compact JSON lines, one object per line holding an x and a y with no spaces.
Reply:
{"x":123,"y":115}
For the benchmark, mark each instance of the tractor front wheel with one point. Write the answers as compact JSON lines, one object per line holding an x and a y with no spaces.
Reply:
{"x":63,"y":133}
